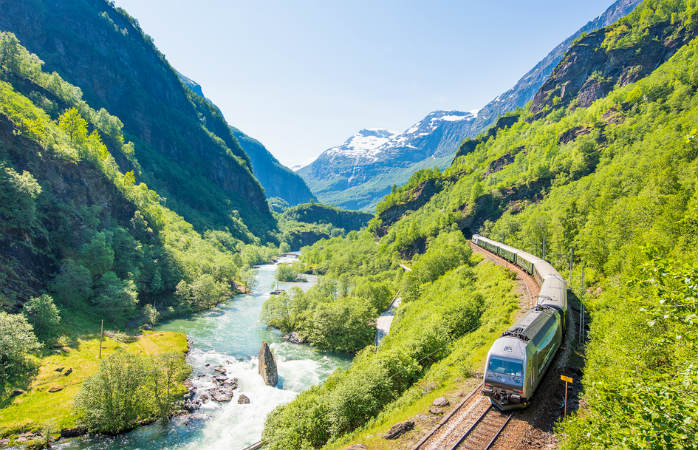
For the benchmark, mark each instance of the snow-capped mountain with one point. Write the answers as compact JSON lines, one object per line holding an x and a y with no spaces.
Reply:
{"x":371,"y":152}
{"x":358,"y":173}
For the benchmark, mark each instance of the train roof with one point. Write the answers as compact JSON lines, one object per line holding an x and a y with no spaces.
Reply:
{"x":530,"y":324}
{"x":509,"y":347}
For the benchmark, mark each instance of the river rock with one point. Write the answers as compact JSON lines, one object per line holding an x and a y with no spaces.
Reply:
{"x":295,"y":338}
{"x":356,"y":447}
{"x":192,"y":405}
{"x":435,"y":411}
{"x":73,"y":431}
{"x":220,"y":369}
{"x":53,"y":389}
{"x":399,"y":429}
{"x":441,"y":402}
{"x":243,"y":399}
{"x":267,"y":365}
{"x":221,"y":394}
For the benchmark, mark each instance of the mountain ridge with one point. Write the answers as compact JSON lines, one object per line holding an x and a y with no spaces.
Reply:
{"x":332,"y":186}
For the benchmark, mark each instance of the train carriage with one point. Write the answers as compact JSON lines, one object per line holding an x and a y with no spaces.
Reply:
{"x":518,"y":360}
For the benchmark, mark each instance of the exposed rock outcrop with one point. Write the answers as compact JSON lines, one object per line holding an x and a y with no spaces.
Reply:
{"x":399,"y":429}
{"x":295,"y":338}
{"x":267,"y":365}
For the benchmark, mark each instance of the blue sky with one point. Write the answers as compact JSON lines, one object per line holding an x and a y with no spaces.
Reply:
{"x":302,"y":76}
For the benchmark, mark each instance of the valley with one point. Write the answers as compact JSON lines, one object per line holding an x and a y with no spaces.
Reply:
{"x":166,"y":282}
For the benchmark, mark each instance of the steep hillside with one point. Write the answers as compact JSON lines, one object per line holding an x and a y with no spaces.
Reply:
{"x":75,"y":226}
{"x":613,"y":182}
{"x":348,"y":178}
{"x":185,"y":148}
{"x":278,"y":180}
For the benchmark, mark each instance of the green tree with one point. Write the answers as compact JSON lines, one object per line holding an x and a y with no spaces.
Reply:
{"x":17,"y":341}
{"x":116,"y":299}
{"x":116,"y":397}
{"x":72,"y":123}
{"x":97,"y":254}
{"x":44,"y":316}
{"x":73,"y":284}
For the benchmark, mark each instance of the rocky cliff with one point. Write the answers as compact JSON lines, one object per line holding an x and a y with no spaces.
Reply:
{"x":608,"y":58}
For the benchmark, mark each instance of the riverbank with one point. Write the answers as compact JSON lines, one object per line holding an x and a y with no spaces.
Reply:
{"x":228,"y":336}
{"x":46,"y":404}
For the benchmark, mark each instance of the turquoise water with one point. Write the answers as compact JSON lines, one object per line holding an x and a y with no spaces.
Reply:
{"x":230,"y":336}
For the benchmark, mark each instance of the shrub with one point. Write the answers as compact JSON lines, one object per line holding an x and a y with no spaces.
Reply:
{"x":42,"y":313}
{"x":129,"y":388}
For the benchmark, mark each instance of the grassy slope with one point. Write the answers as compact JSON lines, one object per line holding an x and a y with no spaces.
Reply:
{"x":37,"y":408}
{"x":450,"y":375}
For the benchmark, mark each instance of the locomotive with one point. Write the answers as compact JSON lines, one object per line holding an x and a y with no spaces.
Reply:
{"x":518,"y":360}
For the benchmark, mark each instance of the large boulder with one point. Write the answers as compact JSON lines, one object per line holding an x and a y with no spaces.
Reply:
{"x":399,"y":429}
{"x":267,"y":365}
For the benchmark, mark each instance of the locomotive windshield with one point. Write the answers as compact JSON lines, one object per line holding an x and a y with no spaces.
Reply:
{"x":508,"y":371}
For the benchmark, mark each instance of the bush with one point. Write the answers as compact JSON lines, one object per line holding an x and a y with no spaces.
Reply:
{"x":73,"y":284}
{"x":42,"y":313}
{"x":343,"y":326}
{"x":17,"y":341}
{"x":286,"y":272}
{"x":129,"y":388}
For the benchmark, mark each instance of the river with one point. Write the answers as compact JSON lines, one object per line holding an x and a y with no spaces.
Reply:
{"x":230,"y":335}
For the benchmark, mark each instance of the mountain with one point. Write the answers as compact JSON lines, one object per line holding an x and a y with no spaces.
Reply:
{"x":77,"y":227}
{"x":185,"y":148}
{"x":601,"y":171}
{"x":278,"y":180}
{"x":344,"y":174}
{"x":360,"y":183}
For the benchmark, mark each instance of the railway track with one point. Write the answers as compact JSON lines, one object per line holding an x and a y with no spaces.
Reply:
{"x":473,"y":424}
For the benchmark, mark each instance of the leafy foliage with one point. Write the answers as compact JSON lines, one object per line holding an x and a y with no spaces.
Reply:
{"x":128,"y":389}
{"x":43,"y":315}
{"x":17,"y":341}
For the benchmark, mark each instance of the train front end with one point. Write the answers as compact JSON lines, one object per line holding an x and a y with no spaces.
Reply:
{"x":505,"y":374}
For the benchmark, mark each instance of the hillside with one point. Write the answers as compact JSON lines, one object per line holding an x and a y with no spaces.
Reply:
{"x":184,"y":147}
{"x":612,"y":181}
{"x":358,"y":176}
{"x":308,"y":223}
{"x":278,"y":180}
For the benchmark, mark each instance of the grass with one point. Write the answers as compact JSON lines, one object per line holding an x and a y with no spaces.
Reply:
{"x":39,"y":409}
{"x":452,"y":375}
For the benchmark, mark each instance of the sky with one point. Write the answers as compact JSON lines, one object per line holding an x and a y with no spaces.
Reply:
{"x":302,"y":76}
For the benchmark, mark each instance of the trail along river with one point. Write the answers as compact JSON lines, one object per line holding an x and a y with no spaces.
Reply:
{"x":230,"y":335}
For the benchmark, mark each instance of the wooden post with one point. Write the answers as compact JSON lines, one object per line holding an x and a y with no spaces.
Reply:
{"x":566,"y":380}
{"x":101,"y":337}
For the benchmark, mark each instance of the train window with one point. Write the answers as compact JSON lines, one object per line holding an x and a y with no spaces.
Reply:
{"x":511,"y":368}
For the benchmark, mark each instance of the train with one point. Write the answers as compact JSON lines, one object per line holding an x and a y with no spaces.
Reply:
{"x":519,"y":359}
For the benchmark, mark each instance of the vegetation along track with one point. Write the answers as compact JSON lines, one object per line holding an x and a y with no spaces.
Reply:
{"x":472,"y":424}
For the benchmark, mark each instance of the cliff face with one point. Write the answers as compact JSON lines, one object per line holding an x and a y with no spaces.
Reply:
{"x":598,"y":62}
{"x":184,"y":145}
{"x":267,"y":366}
{"x":525,"y":89}
{"x":277,"y":179}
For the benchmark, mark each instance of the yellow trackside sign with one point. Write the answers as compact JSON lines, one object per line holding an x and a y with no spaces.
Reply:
{"x":567,"y":379}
